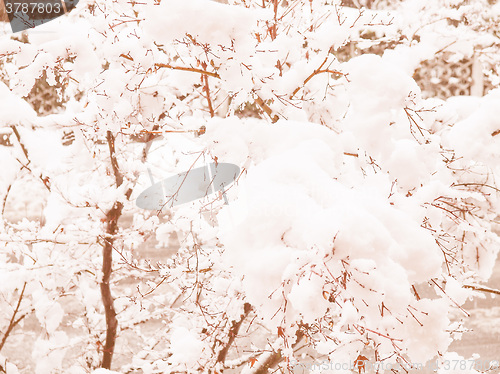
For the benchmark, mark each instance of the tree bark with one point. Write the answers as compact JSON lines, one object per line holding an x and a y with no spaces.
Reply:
{"x":112,"y":217}
{"x":233,"y":333}
{"x":275,"y":358}
{"x":107,"y":299}
{"x":3,"y":12}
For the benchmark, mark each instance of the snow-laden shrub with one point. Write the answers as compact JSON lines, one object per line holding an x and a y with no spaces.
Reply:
{"x":361,"y":212}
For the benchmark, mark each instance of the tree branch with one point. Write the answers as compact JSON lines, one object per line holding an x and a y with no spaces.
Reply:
{"x":107,"y":299}
{"x":207,"y":92}
{"x":5,"y":198}
{"x":45,"y":180}
{"x":3,"y":13}
{"x":13,"y":322}
{"x":194,"y":70}
{"x":276,"y":357}
{"x":112,"y":154}
{"x":233,"y":332}
{"x":112,"y":217}
{"x":314,"y":73}
{"x":258,"y":100}
{"x":266,"y":109}
{"x":483,"y":289}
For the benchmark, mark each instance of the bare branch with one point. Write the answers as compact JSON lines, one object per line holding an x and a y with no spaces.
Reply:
{"x":267,"y":109}
{"x":13,"y":322}
{"x":258,"y":100}
{"x":483,"y":289}
{"x":276,"y":357}
{"x":453,"y":301}
{"x":206,"y":88}
{"x":112,"y":217}
{"x":5,"y":198}
{"x":233,"y":332}
{"x":45,"y":180}
{"x":107,"y":299}
{"x":475,"y":184}
{"x":314,"y":73}
{"x":194,"y":70}
{"x":112,"y":154}
{"x":351,"y":154}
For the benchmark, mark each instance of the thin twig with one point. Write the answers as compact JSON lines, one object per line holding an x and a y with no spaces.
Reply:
{"x":314,"y":73}
{"x":258,"y":100}
{"x":5,"y":198}
{"x":482,"y":288}
{"x":453,"y":301}
{"x":475,"y":184}
{"x":45,"y":180}
{"x":25,"y":151}
{"x":183,"y":68}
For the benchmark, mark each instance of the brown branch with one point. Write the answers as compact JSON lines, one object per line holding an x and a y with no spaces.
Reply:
{"x":13,"y":322}
{"x":483,"y":289}
{"x":148,"y":139}
{"x":107,"y":299}
{"x":182,"y":68}
{"x":207,"y":92}
{"x":415,"y":291}
{"x":453,"y":301}
{"x":267,"y":109}
{"x":25,"y":151}
{"x":314,"y":73}
{"x":233,"y":332}
{"x":258,"y":100}
{"x":445,"y":47}
{"x":361,"y":328}
{"x":45,"y":180}
{"x":65,"y":9}
{"x":475,"y":184}
{"x":114,"y":163}
{"x":412,"y":120}
{"x":273,"y":30}
{"x":3,"y":13}
{"x":112,"y":217}
{"x":5,"y":198}
{"x":276,"y":357}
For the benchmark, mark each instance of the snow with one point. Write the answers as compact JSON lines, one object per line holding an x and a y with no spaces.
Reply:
{"x":47,"y":359}
{"x":358,"y":196}
{"x":216,"y":23}
{"x":185,"y":346}
{"x":472,"y":136}
{"x":14,"y":109}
